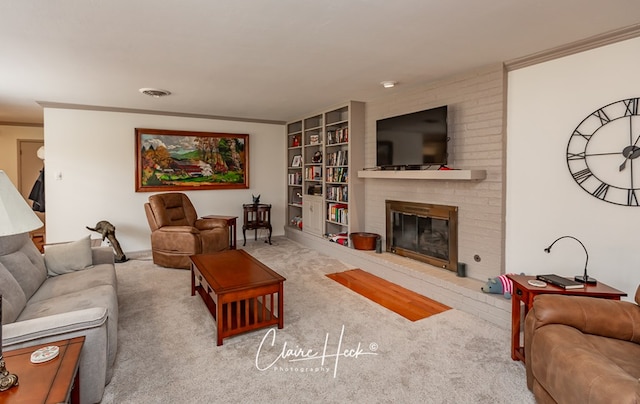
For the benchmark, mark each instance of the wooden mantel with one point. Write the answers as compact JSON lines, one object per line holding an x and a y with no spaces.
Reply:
{"x":425,"y":174}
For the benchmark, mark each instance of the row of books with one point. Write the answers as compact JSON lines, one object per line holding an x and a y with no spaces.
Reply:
{"x":313,"y":173}
{"x":295,"y":178}
{"x":339,"y":193}
{"x":337,"y":174}
{"x":338,"y":136}
{"x":338,"y":212}
{"x":338,"y":158}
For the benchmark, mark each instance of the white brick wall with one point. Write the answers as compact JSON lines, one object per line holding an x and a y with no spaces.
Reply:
{"x":476,"y":125}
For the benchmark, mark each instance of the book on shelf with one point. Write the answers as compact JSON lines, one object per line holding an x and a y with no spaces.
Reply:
{"x":560,"y":281}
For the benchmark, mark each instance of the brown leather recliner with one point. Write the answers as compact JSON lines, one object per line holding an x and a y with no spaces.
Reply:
{"x":583,"y":349}
{"x":177,"y":233}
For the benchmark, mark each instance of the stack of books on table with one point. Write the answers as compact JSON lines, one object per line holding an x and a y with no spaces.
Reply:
{"x":560,"y":281}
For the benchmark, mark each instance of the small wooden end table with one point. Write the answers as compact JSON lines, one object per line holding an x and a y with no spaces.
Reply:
{"x":256,"y":216}
{"x":231,"y":222}
{"x":55,"y":381}
{"x":525,"y":293}
{"x":241,"y":293}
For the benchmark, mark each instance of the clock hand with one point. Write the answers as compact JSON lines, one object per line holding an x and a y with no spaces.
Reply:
{"x":629,"y":151}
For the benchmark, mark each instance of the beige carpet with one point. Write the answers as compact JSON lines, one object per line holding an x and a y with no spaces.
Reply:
{"x":167,"y":351}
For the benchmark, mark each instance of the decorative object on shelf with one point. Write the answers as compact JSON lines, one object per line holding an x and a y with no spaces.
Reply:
{"x":295,"y":142}
{"x":171,"y":160}
{"x":593,"y":145}
{"x":314,"y":139}
{"x":296,"y":161}
{"x":108,"y":231}
{"x":255,"y":199}
{"x":16,"y":217}
{"x":579,"y":278}
{"x":317,"y":157}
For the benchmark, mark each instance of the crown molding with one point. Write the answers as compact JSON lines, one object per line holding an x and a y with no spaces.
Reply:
{"x":28,"y":124}
{"x":593,"y":42}
{"x":58,"y":105}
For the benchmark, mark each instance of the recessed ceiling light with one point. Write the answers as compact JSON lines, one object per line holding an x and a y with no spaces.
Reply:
{"x":388,"y":84}
{"x":154,"y":92}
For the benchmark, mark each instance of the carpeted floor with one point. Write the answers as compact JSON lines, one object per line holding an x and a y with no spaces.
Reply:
{"x":167,"y":351}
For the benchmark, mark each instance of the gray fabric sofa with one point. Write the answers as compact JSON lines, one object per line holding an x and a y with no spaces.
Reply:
{"x":40,"y":306}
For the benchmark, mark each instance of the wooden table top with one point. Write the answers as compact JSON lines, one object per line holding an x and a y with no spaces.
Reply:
{"x":234,"y":270}
{"x":599,"y":289}
{"x":48,"y":382}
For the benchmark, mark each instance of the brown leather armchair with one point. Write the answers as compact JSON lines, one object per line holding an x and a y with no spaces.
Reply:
{"x":177,"y":233}
{"x":583,"y":349}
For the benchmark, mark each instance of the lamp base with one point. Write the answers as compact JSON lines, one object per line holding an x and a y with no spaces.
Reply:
{"x":7,"y":380}
{"x":585,"y":279}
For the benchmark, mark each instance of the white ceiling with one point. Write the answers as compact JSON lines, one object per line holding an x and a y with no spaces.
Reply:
{"x":267,"y":59}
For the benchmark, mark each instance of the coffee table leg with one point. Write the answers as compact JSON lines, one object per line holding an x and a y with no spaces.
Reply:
{"x":281,"y":306}
{"x":219,"y":322}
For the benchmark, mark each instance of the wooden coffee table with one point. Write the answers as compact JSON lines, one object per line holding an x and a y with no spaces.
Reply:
{"x":241,"y":293}
{"x":55,"y":381}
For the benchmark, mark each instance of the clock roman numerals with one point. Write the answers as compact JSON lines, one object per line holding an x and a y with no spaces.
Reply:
{"x":632,"y":198}
{"x":601,"y":191}
{"x":576,"y":156}
{"x":578,"y":133}
{"x":582,"y":175}
{"x":631,"y":106}
{"x":600,"y":114}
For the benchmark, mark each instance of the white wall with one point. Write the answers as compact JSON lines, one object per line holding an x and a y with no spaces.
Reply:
{"x":94,"y":152}
{"x":546,"y":102}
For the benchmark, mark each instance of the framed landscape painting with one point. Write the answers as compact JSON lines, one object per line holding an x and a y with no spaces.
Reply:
{"x":171,"y":160}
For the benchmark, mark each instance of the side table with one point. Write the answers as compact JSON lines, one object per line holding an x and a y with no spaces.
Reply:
{"x":256,"y":216}
{"x":55,"y":381}
{"x":523,"y":293}
{"x":231,"y":222}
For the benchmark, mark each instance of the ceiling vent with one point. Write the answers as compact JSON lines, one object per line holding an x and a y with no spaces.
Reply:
{"x":154,"y":92}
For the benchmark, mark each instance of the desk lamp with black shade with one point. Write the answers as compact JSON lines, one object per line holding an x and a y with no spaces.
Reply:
{"x":16,"y":217}
{"x":586,"y":279}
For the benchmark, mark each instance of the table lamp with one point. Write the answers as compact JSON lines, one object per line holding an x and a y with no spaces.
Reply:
{"x":585,"y":278}
{"x":16,"y":217}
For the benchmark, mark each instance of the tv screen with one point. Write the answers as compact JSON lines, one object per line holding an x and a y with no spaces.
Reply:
{"x":415,"y":139}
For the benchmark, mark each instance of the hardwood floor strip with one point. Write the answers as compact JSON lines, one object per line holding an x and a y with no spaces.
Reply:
{"x":407,"y":303}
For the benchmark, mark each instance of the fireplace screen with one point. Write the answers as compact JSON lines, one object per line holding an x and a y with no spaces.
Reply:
{"x":424,"y":235}
{"x":424,"y":232}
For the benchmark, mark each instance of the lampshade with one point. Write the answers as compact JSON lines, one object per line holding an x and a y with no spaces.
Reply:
{"x":16,"y":216}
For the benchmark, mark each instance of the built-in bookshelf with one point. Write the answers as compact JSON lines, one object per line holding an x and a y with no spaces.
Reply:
{"x":330,"y":146}
{"x":294,"y":173}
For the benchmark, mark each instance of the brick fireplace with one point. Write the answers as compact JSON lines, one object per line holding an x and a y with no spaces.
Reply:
{"x":424,"y":232}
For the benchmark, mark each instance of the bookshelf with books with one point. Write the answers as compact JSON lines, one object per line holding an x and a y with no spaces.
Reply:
{"x":294,"y":174}
{"x":332,"y":148}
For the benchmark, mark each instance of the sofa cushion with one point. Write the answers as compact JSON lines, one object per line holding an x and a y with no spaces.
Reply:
{"x":86,"y":298}
{"x":13,"y":299}
{"x":68,"y":257}
{"x":98,"y":275}
{"x":25,"y":263}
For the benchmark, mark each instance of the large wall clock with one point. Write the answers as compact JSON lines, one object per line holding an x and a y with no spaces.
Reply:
{"x":603,"y":151}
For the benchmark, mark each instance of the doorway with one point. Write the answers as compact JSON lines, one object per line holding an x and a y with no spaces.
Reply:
{"x":29,"y":167}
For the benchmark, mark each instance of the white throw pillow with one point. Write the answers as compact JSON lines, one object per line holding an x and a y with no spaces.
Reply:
{"x":68,"y":257}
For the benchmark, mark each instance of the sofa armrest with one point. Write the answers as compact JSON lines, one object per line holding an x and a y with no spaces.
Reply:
{"x":212,"y":223}
{"x":41,"y":328}
{"x":177,"y":229}
{"x":102,"y":255}
{"x":603,"y":317}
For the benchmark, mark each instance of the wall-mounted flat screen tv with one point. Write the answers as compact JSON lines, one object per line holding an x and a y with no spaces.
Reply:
{"x":412,"y":140}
